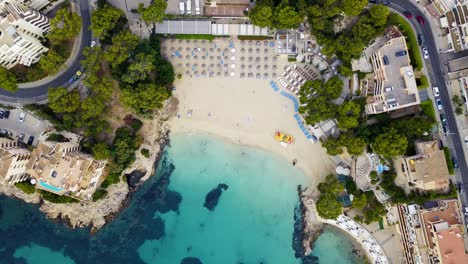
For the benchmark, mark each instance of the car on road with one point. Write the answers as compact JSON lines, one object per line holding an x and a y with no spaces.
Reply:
{"x":30,"y":140}
{"x":425,"y":53}
{"x":436,"y":92}
{"x":439,"y":104}
{"x":22,"y":116}
{"x":420,"y":40}
{"x":420,"y":20}
{"x":455,"y":163}
{"x":408,"y":14}
{"x":443,"y":119}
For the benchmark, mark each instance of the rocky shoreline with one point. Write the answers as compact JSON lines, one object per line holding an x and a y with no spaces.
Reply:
{"x":96,"y":214}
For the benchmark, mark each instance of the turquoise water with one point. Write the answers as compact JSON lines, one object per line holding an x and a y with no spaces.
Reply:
{"x":166,"y":220}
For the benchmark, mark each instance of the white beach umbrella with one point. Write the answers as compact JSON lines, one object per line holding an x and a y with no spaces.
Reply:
{"x":233,"y":50}
{"x":233,"y":58}
{"x":233,"y":66}
{"x":232,"y":74}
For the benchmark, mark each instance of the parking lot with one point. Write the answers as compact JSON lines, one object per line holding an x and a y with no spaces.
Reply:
{"x":31,"y":126}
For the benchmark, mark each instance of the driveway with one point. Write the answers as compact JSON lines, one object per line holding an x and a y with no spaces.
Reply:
{"x":31,"y":126}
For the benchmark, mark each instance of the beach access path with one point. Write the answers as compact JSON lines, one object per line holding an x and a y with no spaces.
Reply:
{"x":248,"y":112}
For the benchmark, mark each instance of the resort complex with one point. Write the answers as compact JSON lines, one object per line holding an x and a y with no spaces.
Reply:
{"x":22,"y":28}
{"x":364,"y":98}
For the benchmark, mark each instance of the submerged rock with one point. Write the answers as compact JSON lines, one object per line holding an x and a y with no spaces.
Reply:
{"x":190,"y":260}
{"x":211,"y":199}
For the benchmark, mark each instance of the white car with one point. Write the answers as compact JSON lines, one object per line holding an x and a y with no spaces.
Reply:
{"x":425,"y":53}
{"x":93,"y":44}
{"x":22,"y":116}
{"x":435,"y":90}
{"x":439,"y":104}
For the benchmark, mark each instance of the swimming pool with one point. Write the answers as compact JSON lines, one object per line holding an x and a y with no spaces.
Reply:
{"x":381,"y":168}
{"x":50,"y":187}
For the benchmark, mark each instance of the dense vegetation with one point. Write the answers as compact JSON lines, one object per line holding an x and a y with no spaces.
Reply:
{"x":56,"y":137}
{"x":448,"y":160}
{"x":328,"y":206}
{"x":26,"y":187}
{"x":54,"y":198}
{"x":368,"y":208}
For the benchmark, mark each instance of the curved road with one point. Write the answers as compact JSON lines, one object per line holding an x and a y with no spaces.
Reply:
{"x":39,"y":94}
{"x":439,"y":81}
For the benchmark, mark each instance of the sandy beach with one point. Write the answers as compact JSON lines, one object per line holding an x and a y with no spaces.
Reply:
{"x":246,"y":111}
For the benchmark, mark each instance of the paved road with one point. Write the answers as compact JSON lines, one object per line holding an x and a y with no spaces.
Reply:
{"x":438,"y":76}
{"x":39,"y":94}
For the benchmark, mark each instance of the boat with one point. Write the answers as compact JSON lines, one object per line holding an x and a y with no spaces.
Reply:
{"x":281,"y":137}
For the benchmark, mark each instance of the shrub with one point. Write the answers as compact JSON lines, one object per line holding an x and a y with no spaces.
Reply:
{"x":145,"y":153}
{"x":26,"y":187}
{"x":99,"y":194}
{"x":448,"y":159}
{"x":254,"y":37}
{"x":195,"y":36}
{"x":57,"y":138}
{"x":422,"y":82}
{"x":54,"y":198}
{"x":428,"y":110}
{"x":373,"y":175}
{"x":112,"y":178}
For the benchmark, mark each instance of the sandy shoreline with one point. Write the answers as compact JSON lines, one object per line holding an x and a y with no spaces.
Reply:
{"x":246,"y":112}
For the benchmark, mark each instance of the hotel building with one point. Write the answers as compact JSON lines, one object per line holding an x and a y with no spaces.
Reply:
{"x":21,"y":31}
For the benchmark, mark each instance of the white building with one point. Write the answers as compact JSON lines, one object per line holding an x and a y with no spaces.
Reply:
{"x":13,"y":161}
{"x":21,"y":30}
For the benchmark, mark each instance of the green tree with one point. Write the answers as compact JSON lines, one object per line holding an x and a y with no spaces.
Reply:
{"x":101,"y":151}
{"x":348,"y":115}
{"x":62,"y":101}
{"x":262,"y":14}
{"x":286,"y":16}
{"x":328,"y":207}
{"x":139,"y":69}
{"x":333,"y":88}
{"x":122,"y":44}
{"x":360,"y":201}
{"x":345,"y":70}
{"x":331,"y":185}
{"x":412,"y":128}
{"x":64,"y":26}
{"x":333,"y":146}
{"x":390,"y":144}
{"x":353,"y":7}
{"x":91,"y":107}
{"x":354,"y":145}
{"x":319,"y":108}
{"x":7,"y":80}
{"x":101,"y":86}
{"x":104,"y":19}
{"x":145,"y":97}
{"x":51,"y":62}
{"x":379,"y":15}
{"x":91,"y":59}
{"x":155,"y":12}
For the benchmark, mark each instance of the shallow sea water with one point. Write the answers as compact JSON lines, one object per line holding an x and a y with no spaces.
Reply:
{"x":166,"y":220}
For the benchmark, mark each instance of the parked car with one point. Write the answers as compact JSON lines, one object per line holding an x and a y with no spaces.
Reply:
{"x":93,"y":44}
{"x":401,"y":53}
{"x":408,"y":14}
{"x":21,"y":136}
{"x":466,"y":141}
{"x":444,"y":128}
{"x":420,"y":20}
{"x":443,"y":119}
{"x":385,"y":60}
{"x":2,"y":114}
{"x":439,"y":104}
{"x":30,"y":140}
{"x":455,"y":163}
{"x":22,"y":116}
{"x":425,"y":53}
{"x":436,"y":92}
{"x":6,"y":114}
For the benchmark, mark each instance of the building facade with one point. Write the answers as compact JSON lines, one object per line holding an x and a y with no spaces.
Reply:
{"x":21,"y":31}
{"x":13,"y":161}
{"x":61,"y":168}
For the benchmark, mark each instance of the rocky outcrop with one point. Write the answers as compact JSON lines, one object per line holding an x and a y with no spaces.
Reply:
{"x":212,"y":197}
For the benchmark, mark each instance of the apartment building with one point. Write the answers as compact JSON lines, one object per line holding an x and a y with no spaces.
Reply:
{"x":21,"y":31}
{"x":393,"y":85}
{"x":13,"y":161}
{"x":453,"y":15}
{"x":62,"y":169}
{"x":427,"y":170}
{"x":443,"y":233}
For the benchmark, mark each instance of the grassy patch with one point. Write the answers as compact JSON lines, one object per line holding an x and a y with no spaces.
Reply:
{"x":422,"y":82}
{"x":254,"y":37}
{"x":448,"y":159}
{"x":54,"y":198}
{"x":194,"y":36}
{"x":411,"y":40}
{"x":26,"y":187}
{"x":99,"y":194}
{"x":428,"y":110}
{"x":112,"y":178}
{"x":57,"y":138}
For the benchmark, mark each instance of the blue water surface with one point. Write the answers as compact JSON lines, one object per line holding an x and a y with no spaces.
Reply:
{"x":166,"y":220}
